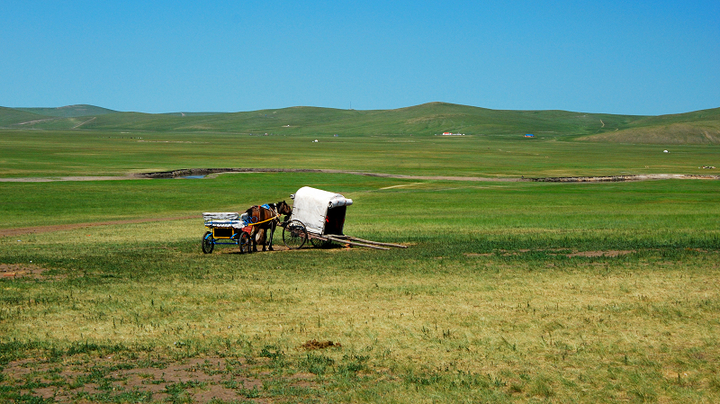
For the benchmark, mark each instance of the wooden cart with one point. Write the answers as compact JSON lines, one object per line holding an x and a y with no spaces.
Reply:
{"x":226,"y":228}
{"x":319,"y":216}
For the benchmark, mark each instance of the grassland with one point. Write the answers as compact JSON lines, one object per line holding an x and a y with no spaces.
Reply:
{"x":398,"y":142}
{"x":69,"y":153}
{"x":509,"y":292}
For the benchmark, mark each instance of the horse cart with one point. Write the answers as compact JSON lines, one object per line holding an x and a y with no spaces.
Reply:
{"x":226,"y":228}
{"x":319,"y":216}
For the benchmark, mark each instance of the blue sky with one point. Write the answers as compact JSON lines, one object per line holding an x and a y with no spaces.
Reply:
{"x":642,"y":57}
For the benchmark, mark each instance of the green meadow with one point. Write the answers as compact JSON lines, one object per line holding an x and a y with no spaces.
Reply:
{"x":53,"y":154}
{"x":508,"y":291}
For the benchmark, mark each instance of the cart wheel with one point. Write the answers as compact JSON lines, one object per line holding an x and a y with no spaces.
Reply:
{"x":208,"y":243}
{"x":294,"y":234}
{"x":317,"y":243}
{"x":245,"y":246}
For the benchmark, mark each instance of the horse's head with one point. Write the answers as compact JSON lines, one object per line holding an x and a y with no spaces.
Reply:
{"x":283,"y":208}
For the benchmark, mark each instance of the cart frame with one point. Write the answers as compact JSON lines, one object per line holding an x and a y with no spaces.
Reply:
{"x":319,"y":216}
{"x":229,"y":227}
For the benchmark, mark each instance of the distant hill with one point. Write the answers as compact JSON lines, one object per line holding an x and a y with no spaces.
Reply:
{"x":670,"y":134}
{"x":426,"y":119}
{"x":12,"y":116}
{"x":70,"y":111}
{"x":699,"y":127}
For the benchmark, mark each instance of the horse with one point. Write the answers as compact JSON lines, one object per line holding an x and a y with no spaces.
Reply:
{"x":266,"y":217}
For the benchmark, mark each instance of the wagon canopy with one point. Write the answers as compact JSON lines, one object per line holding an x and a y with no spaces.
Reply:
{"x":317,"y":208}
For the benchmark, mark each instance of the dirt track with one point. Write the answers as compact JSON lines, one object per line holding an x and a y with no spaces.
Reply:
{"x":212,"y":172}
{"x":46,"y":229}
{"x":75,"y":178}
{"x":614,"y":178}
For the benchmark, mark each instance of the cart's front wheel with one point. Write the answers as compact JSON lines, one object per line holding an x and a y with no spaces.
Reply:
{"x":294,"y":234}
{"x":245,"y":243}
{"x":208,"y":243}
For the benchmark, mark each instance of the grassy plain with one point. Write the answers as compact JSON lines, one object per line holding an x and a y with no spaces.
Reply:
{"x":71,"y":153}
{"x":509,"y":292}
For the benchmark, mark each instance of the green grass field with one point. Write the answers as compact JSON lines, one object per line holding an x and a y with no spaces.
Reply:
{"x":63,"y":153}
{"x":508,"y":292}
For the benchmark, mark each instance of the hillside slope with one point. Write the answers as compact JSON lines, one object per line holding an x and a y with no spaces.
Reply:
{"x":12,"y":116}
{"x":69,"y":111}
{"x":700,"y":127}
{"x":425,"y":119}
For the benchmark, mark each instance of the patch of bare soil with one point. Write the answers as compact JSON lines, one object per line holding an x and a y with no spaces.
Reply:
{"x":194,"y":380}
{"x":73,"y":178}
{"x":625,"y":178}
{"x":280,"y":247}
{"x":47,"y":229}
{"x":12,"y":271}
{"x":213,"y":172}
{"x":315,"y":344}
{"x":591,"y":254}
{"x":613,"y":178}
{"x":613,"y":253}
{"x":233,"y":249}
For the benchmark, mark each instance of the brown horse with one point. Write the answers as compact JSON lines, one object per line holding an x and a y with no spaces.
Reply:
{"x":266,"y":217}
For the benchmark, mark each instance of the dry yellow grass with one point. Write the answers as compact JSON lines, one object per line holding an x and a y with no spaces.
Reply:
{"x":530,"y":329}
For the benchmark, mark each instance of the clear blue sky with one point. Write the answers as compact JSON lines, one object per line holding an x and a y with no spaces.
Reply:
{"x":625,"y":57}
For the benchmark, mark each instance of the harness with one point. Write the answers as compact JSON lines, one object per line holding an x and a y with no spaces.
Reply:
{"x":272,"y":211}
{"x":264,"y":221}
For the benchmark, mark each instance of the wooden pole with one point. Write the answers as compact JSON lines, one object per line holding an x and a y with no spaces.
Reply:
{"x":376,"y":242}
{"x":346,"y":241}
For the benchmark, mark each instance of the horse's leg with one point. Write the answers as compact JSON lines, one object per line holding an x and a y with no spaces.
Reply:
{"x":253,"y":236}
{"x":272,"y":234}
{"x":262,"y":238}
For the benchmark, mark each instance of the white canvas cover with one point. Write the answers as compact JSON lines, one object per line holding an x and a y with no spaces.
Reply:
{"x":310,"y":206}
{"x":208,"y":216}
{"x":223,"y":219}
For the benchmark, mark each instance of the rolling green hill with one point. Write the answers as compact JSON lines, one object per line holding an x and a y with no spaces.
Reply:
{"x":70,"y":111}
{"x":17,"y":118}
{"x":426,"y":119}
{"x":698,"y":127}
